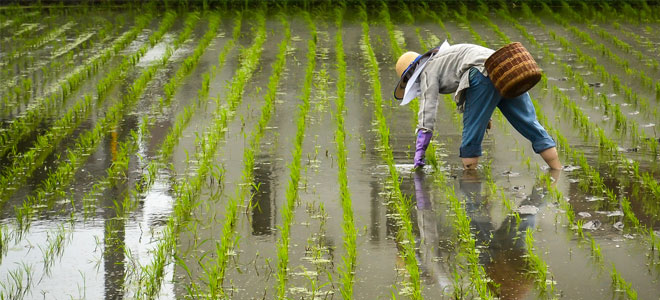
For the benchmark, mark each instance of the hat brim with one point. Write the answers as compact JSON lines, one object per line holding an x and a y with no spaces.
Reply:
{"x":400,"y":88}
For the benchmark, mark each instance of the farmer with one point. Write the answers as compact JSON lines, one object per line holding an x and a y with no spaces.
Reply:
{"x":460,"y":69}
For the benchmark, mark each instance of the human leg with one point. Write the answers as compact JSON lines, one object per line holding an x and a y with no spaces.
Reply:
{"x":481,"y":98}
{"x":520,"y":112}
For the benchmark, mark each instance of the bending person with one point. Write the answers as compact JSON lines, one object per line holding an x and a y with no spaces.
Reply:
{"x":460,"y":69}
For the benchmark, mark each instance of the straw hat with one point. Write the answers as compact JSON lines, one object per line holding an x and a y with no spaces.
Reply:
{"x":403,"y":67}
{"x":404,"y":61}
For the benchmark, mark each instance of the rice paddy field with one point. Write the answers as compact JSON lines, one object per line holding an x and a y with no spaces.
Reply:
{"x":247,"y":150}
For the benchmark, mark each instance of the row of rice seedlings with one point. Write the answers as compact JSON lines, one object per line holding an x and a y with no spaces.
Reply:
{"x":37,"y":42}
{"x":315,"y":251}
{"x":423,"y":9}
{"x":27,"y":122}
{"x":578,"y":157}
{"x":610,"y":146}
{"x":641,"y":41}
{"x":23,"y":165}
{"x":294,"y":167}
{"x":638,"y":137}
{"x":633,"y":167}
{"x":21,"y":17}
{"x":461,"y":16}
{"x":405,"y":238}
{"x":187,"y":192}
{"x":604,"y":50}
{"x":347,"y":270}
{"x":19,"y":89}
{"x":620,"y":285}
{"x":397,"y":43}
{"x":120,"y":164}
{"x":54,"y":247}
{"x":467,"y":256}
{"x":55,"y":184}
{"x":229,"y":241}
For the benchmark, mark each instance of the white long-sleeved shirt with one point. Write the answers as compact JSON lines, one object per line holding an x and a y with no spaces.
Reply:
{"x":446,"y":72}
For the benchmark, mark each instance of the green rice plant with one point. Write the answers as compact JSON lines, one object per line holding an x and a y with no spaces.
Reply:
{"x":23,"y":166}
{"x":599,"y":47}
{"x":57,"y":180}
{"x":53,"y":248}
{"x":347,"y":271}
{"x":229,"y":240}
{"x":595,"y":183}
{"x":27,"y":122}
{"x":294,"y":167}
{"x":620,"y":285}
{"x":461,"y":16}
{"x":187,"y":191}
{"x":397,"y":44}
{"x":18,"y":282}
{"x":38,"y":41}
{"x":401,"y":204}
{"x":537,"y":266}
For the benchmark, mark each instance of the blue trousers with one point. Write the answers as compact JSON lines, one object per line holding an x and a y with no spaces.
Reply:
{"x":481,"y":98}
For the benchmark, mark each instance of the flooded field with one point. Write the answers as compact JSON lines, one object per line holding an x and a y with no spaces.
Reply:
{"x":257,"y":153}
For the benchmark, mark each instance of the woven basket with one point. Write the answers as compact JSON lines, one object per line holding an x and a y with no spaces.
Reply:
{"x":513,"y":70}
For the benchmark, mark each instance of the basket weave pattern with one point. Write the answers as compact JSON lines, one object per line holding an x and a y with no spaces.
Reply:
{"x":513,"y":70}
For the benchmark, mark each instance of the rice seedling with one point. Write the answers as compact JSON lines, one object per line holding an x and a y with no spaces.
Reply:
{"x":55,"y":184}
{"x":229,"y":241}
{"x":538,"y":266}
{"x":586,"y":126}
{"x":294,"y":167}
{"x":30,"y":160}
{"x":187,"y":191}
{"x":605,"y":51}
{"x":58,"y":166}
{"x":27,"y":122}
{"x":18,"y":282}
{"x":401,"y":204}
{"x":347,"y":271}
{"x":620,"y":285}
{"x":38,"y":41}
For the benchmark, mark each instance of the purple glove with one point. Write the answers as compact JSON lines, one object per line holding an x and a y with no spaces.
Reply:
{"x":423,"y":140}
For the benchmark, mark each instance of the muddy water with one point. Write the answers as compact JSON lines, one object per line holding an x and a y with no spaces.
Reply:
{"x":101,"y":254}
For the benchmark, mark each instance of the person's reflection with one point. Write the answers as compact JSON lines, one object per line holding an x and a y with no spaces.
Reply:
{"x":432,"y":257}
{"x":503,"y":256}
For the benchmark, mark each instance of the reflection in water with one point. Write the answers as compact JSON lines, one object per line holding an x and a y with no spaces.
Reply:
{"x":263,"y":220}
{"x":504,"y":246}
{"x":114,"y":239}
{"x":374,"y":212}
{"x":431,"y":254}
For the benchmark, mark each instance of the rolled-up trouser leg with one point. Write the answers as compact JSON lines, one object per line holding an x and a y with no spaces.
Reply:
{"x":521,"y":114}
{"x":481,"y":98}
